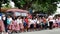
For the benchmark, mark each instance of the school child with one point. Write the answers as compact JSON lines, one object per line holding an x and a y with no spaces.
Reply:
{"x":9,"y":21}
{"x":25,"y":23}
{"x":13,"y":24}
{"x":44,"y":23}
{"x":20,"y":24}
{"x":54,"y":23}
{"x":38,"y":24}
{"x":2,"y":28}
{"x":50,"y":19}
{"x":59,"y":22}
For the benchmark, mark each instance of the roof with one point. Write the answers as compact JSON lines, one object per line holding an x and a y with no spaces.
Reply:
{"x":17,"y":10}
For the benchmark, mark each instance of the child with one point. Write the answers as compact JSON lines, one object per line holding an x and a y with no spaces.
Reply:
{"x":13,"y":24}
{"x":20,"y":24}
{"x":31,"y":24}
{"x":38,"y":24}
{"x":25,"y":22}
{"x":2,"y":28}
{"x":9,"y":21}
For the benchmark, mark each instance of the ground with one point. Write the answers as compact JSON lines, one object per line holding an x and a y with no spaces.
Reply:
{"x":53,"y":31}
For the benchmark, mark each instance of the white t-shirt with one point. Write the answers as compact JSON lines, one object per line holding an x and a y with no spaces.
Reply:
{"x":31,"y":21}
{"x":4,"y":18}
{"x":52,"y":21}
{"x":0,"y":17}
{"x":10,"y":19}
{"x":19,"y":21}
{"x":35,"y":21}
{"x":38,"y":21}
{"x":57,"y":21}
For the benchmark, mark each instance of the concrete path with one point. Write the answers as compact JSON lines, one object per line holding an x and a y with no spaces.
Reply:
{"x":53,"y":31}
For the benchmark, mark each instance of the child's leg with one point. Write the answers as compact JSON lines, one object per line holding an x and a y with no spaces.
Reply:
{"x":22,"y":28}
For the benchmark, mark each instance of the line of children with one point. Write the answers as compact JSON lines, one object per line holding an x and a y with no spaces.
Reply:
{"x":21,"y":24}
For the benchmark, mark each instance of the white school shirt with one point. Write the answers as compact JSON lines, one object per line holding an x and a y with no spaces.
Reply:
{"x":54,"y":21}
{"x":4,"y":18}
{"x":19,"y":21}
{"x":30,"y":21}
{"x":58,"y":21}
{"x":0,"y":18}
{"x":10,"y":19}
{"x":35,"y":21}
{"x":38,"y":21}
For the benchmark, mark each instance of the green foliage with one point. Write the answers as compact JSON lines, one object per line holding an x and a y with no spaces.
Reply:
{"x":19,"y":3}
{"x":7,"y":6}
{"x":22,"y":4}
{"x":46,"y":6}
{"x":3,"y":2}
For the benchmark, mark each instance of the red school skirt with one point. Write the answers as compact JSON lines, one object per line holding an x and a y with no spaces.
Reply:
{"x":2,"y":28}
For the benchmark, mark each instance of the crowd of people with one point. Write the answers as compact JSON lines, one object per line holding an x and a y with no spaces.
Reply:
{"x":22,"y":24}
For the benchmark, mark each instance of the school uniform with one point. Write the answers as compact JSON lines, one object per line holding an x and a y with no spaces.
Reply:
{"x":38,"y":24}
{"x":9,"y":21}
{"x":13,"y":25}
{"x":2,"y":28}
{"x":20,"y":24}
{"x":54,"y":23}
{"x":32,"y":24}
{"x":35,"y":22}
{"x":51,"y":24}
{"x":17,"y":25}
{"x":59,"y":22}
{"x":5,"y":23}
{"x":25,"y":23}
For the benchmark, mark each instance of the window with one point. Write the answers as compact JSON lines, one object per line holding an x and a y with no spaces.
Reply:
{"x":23,"y":14}
{"x":17,"y":13}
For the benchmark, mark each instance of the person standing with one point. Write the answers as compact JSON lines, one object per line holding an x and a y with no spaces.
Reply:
{"x":9,"y":21}
{"x":20,"y":24}
{"x":59,"y":22}
{"x":50,"y":19}
{"x":4,"y":18}
{"x":2,"y":28}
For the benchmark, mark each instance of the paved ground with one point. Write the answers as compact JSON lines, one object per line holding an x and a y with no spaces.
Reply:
{"x":54,"y":31}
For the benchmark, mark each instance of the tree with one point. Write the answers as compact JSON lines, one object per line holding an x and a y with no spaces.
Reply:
{"x":3,"y":2}
{"x":22,"y":4}
{"x":46,"y":6}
